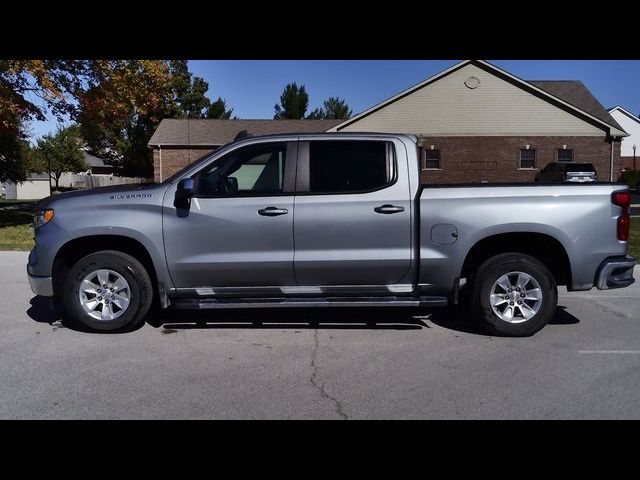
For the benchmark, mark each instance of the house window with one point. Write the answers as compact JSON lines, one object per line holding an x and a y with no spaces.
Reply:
{"x":431,"y":159}
{"x":527,"y":158}
{"x":565,"y":155}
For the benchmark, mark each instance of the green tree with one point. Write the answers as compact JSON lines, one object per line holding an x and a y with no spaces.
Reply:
{"x":28,"y":89}
{"x":117,"y":103}
{"x":190,"y":100}
{"x":333,"y":108}
{"x":59,"y":153}
{"x":293,"y":102}
{"x":121,"y":108}
{"x":218,"y":109}
{"x":53,"y":82}
{"x":317,"y":114}
{"x":14,"y":158}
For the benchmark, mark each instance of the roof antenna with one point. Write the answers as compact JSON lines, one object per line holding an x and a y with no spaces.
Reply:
{"x":241,"y":134}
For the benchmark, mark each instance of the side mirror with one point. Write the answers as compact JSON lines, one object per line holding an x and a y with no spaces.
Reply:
{"x":186,"y":189}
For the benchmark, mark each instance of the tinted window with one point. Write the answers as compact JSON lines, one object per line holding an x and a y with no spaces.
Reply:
{"x":349,"y":166}
{"x":581,"y":167}
{"x":253,"y":170}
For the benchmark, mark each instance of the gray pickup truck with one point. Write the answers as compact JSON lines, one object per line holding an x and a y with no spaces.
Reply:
{"x":326,"y":220}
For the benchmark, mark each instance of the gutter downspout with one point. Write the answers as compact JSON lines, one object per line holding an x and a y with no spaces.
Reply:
{"x":160,"y":155}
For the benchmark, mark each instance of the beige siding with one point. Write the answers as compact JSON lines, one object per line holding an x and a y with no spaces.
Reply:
{"x":32,"y":189}
{"x":447,"y":107}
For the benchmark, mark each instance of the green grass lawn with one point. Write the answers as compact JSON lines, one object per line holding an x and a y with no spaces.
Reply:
{"x":15,"y":233}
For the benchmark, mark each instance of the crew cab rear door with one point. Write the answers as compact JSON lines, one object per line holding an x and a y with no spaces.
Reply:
{"x":352,"y":224}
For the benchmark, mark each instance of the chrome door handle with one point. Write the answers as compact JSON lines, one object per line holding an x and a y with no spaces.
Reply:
{"x":388,"y":209}
{"x":272,"y":211}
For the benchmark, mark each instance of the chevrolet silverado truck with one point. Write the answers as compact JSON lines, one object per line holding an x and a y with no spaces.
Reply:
{"x":321,"y":220}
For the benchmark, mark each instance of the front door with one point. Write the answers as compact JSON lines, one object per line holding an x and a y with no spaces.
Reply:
{"x":238,"y":231}
{"x":353,"y":215}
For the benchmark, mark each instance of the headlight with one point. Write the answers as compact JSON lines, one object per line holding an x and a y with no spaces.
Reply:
{"x":42,"y":217}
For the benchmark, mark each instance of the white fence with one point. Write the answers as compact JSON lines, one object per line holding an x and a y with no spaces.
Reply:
{"x":82,"y":180}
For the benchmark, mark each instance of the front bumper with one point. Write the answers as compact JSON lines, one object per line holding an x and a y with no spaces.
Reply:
{"x":615,"y":272}
{"x":41,"y":285}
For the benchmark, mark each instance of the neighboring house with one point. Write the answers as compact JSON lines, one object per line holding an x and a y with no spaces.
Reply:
{"x":95,"y":166}
{"x":479,"y":123}
{"x":475,"y":123}
{"x":630,"y":144}
{"x":176,"y":143}
{"x":36,"y":186}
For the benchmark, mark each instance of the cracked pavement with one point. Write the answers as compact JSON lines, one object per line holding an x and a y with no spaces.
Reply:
{"x":319,"y":363}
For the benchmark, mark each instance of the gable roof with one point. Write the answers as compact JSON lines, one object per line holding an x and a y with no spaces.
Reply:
{"x":575,"y":93}
{"x":215,"y":132}
{"x":93,"y":161}
{"x":625,"y":112}
{"x":573,"y":97}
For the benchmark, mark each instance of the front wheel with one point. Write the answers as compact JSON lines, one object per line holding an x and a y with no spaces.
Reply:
{"x":513,"y":295}
{"x":108,"y":291}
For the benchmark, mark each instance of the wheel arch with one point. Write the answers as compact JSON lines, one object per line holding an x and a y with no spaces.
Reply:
{"x":544,"y":247}
{"x":75,"y":249}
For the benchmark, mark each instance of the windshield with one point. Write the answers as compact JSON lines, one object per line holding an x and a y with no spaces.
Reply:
{"x":200,"y":160}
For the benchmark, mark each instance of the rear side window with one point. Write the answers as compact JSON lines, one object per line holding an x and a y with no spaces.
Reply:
{"x":581,"y":167}
{"x":350,"y":166}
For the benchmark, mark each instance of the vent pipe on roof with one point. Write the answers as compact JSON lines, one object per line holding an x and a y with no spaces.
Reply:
{"x":241,"y":134}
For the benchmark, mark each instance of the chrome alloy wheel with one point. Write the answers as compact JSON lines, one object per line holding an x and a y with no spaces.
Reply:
{"x":516,"y":297}
{"x":104,"y":294}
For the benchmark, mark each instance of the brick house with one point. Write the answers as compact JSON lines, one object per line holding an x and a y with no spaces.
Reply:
{"x":177,"y":143}
{"x":474,"y":121}
{"x":478,"y":123}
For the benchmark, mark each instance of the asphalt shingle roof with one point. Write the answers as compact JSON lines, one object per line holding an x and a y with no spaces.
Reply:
{"x":172,"y":131}
{"x":575,"y":93}
{"x":94,"y":161}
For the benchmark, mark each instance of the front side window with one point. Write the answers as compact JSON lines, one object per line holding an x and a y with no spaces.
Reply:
{"x":350,"y":166}
{"x":527,"y":158}
{"x":252,"y":170}
{"x":565,"y":155}
{"x":431,"y":159}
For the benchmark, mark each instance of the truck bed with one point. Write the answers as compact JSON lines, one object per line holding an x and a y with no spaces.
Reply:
{"x":454,"y":218}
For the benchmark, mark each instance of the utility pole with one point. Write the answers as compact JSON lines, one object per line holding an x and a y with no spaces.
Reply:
{"x":634,"y":157}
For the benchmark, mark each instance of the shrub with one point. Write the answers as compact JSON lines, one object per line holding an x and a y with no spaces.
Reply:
{"x":631,"y":178}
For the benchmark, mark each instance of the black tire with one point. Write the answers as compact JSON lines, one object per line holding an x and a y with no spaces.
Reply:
{"x":131,"y":270}
{"x":489,"y":272}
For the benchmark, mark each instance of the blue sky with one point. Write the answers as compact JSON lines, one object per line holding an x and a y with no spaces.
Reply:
{"x":253,"y":87}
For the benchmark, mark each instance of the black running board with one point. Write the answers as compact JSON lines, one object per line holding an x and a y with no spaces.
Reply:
{"x":197,"y":304}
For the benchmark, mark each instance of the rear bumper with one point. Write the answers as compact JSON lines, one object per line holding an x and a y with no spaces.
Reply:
{"x":41,"y":285}
{"x":615,"y":272}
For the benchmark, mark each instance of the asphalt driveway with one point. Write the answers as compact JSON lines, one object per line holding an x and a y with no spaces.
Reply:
{"x":325,"y":363}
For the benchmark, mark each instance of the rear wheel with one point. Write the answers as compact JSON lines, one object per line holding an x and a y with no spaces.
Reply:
{"x":513,"y":295}
{"x":108,"y":291}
